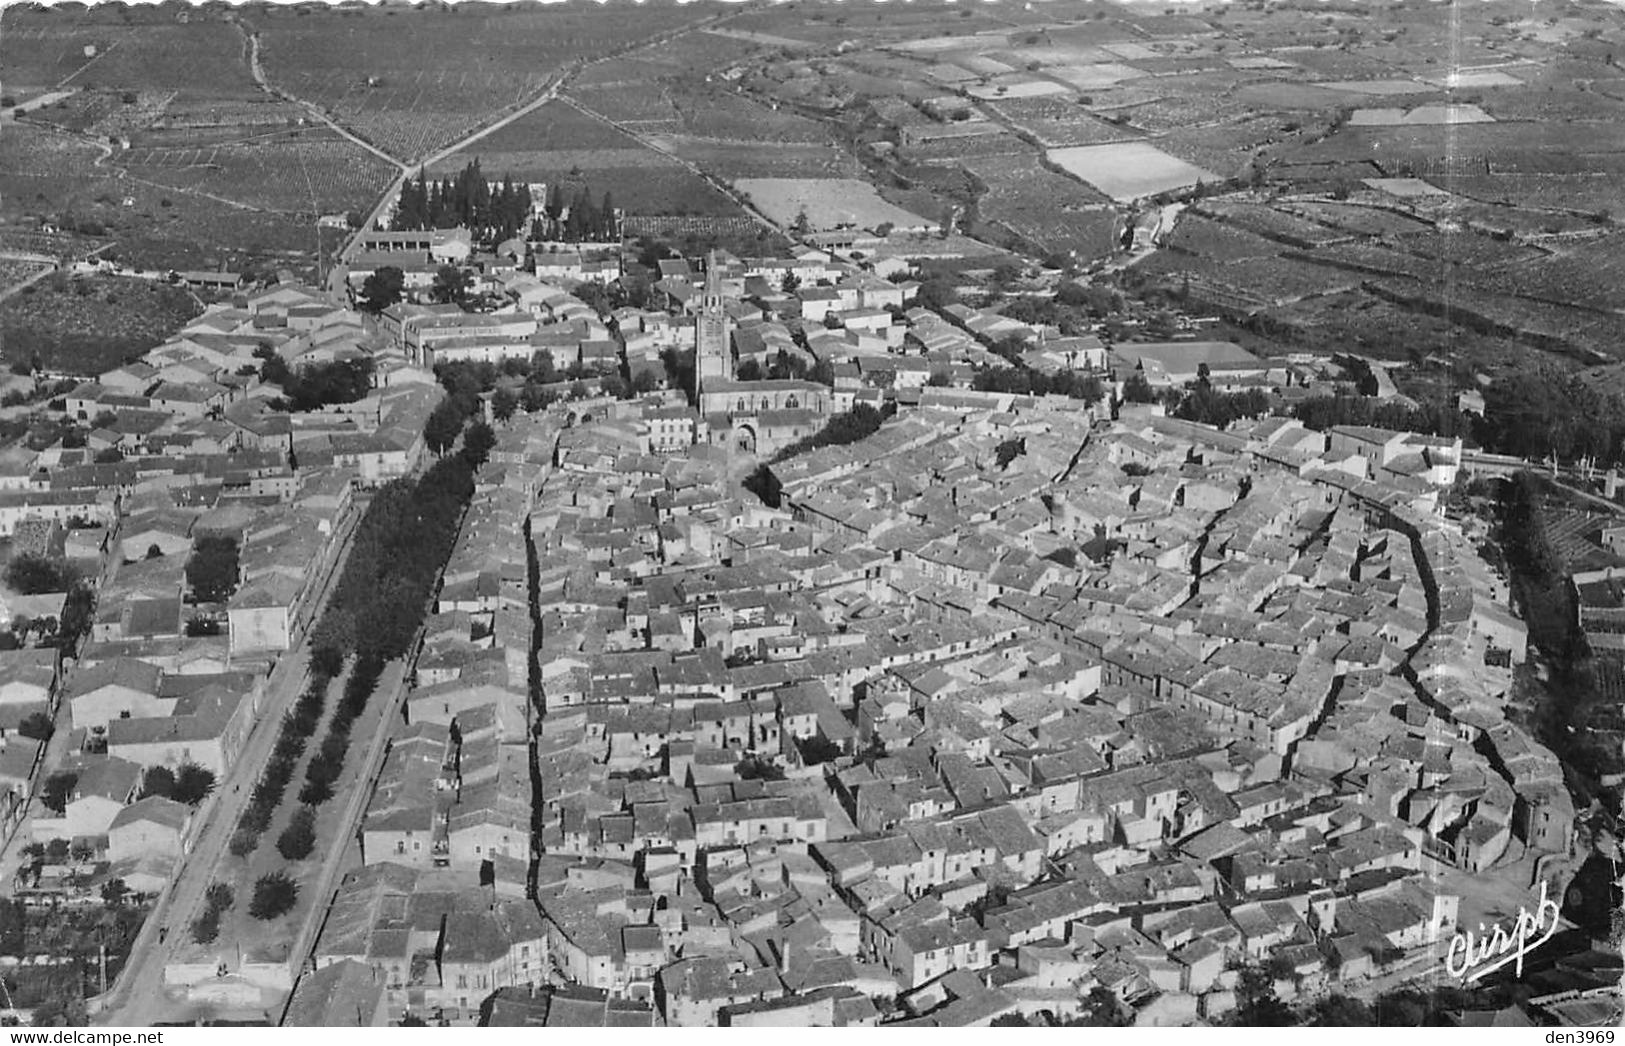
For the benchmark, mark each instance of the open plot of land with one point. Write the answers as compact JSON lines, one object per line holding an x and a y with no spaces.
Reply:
{"x":1129,"y":170}
{"x":89,"y":324}
{"x":1423,"y":116}
{"x":1018,"y":89}
{"x":1405,"y":188}
{"x":829,"y":203}
{"x":1093,"y":76}
{"x":1375,"y":87}
{"x":1468,"y":78}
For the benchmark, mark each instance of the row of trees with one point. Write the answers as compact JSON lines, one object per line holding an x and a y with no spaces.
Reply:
{"x":189,"y":784}
{"x":408,"y":531}
{"x":578,"y":219}
{"x":297,"y":727}
{"x":323,"y":771}
{"x":1207,"y":405}
{"x":470,"y":200}
{"x":1026,"y":382}
{"x":1323,"y":412}
{"x":861,"y":422}
{"x":217,"y":900}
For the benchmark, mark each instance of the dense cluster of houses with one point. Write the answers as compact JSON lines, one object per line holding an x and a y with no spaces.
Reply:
{"x":181,"y":448}
{"x":1002,"y":705}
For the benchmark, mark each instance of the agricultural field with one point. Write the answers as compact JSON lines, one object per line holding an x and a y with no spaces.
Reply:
{"x":1588,"y":275}
{"x":89,"y":324}
{"x":1176,"y":112}
{"x":959,"y":148}
{"x":733,"y":160}
{"x":1270,"y":223}
{"x":696,"y":235}
{"x":1056,"y":123}
{"x":1129,"y":170}
{"x":1203,"y":237}
{"x":1594,"y":193}
{"x":829,"y":26}
{"x":151,"y":223}
{"x":560,"y":143}
{"x":413,"y":81}
{"x":1373,"y":327}
{"x":556,"y":126}
{"x":1359,"y":219}
{"x":1228,"y":150}
{"x":1044,"y":208}
{"x":104,"y":113}
{"x":316,"y":172}
{"x":124,"y":48}
{"x":1421,"y":116}
{"x":644,"y":105}
{"x":13,"y":271}
{"x":828,"y":203}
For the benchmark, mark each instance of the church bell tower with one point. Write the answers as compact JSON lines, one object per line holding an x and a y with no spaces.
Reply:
{"x":713,"y":360}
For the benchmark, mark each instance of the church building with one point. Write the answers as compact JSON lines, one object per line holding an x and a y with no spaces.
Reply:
{"x":753,"y":417}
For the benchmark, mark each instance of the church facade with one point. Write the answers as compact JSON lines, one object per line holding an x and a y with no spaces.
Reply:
{"x":752,"y":417}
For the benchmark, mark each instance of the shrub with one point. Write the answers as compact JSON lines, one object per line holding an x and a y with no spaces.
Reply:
{"x":37,"y":726}
{"x":244,"y":841}
{"x":159,"y":781}
{"x":274,"y":895}
{"x":206,"y":927}
{"x":326,"y":661}
{"x":193,"y":784}
{"x":58,"y":787}
{"x":316,"y":792}
{"x":219,"y":897}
